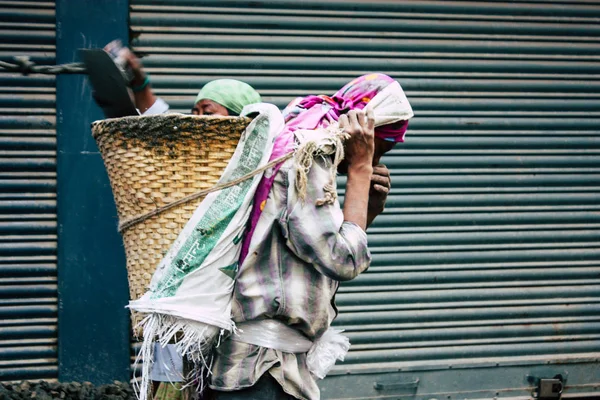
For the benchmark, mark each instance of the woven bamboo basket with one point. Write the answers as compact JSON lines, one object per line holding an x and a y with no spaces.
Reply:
{"x":153,"y":161}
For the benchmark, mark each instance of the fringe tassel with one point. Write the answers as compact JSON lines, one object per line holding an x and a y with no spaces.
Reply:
{"x":194,"y":340}
{"x":331,"y":143}
{"x":303,"y":159}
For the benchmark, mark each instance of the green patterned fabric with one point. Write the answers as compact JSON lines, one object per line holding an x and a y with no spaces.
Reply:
{"x":210,"y":228}
{"x":230,"y":93}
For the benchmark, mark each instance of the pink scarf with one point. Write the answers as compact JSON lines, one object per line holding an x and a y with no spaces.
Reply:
{"x":314,"y":112}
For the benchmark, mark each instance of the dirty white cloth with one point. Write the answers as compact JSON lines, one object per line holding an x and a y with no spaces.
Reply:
{"x":190,"y":291}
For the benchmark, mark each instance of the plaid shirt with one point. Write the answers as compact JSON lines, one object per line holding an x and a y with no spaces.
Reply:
{"x":298,"y":254}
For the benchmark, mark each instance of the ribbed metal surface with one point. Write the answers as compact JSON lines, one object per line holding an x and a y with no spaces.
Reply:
{"x":488,"y":249}
{"x":28,"y":297}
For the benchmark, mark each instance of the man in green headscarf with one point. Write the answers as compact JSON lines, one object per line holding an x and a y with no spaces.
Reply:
{"x":223,"y":97}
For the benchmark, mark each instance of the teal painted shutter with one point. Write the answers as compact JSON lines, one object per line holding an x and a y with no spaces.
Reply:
{"x":486,"y":265}
{"x":28,"y":299}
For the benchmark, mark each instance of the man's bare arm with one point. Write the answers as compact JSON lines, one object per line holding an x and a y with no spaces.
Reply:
{"x":359,"y":155}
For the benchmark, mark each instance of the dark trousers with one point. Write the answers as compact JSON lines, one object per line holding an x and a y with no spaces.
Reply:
{"x":266,"y":388}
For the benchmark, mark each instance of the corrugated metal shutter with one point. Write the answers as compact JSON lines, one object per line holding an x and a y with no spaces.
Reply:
{"x":28,"y":299}
{"x":487,"y":254}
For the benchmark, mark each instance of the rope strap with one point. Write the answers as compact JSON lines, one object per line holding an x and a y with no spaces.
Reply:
{"x":128,"y":223}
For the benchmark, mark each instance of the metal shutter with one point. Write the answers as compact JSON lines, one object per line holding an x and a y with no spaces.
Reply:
{"x":486,"y":261}
{"x":28,"y":297}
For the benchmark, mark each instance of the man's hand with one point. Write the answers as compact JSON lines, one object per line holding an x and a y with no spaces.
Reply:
{"x":378,"y":193}
{"x":359,"y":148}
{"x":139,"y":76}
{"x":132,"y":61}
{"x":144,"y":99}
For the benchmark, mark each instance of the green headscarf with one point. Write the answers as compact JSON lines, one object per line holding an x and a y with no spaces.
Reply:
{"x":230,"y":93}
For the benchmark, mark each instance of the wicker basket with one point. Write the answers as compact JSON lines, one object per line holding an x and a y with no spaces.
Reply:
{"x":152,"y":161}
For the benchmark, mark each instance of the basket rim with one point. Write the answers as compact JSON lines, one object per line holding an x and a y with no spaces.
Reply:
{"x":140,"y":119}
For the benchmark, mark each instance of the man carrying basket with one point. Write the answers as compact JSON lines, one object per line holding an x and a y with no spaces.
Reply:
{"x":299,"y":242}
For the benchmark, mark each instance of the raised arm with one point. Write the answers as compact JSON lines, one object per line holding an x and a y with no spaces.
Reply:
{"x":142,"y":90}
{"x":359,"y":150}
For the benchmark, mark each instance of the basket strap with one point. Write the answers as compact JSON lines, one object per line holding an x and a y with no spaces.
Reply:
{"x":128,"y":223}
